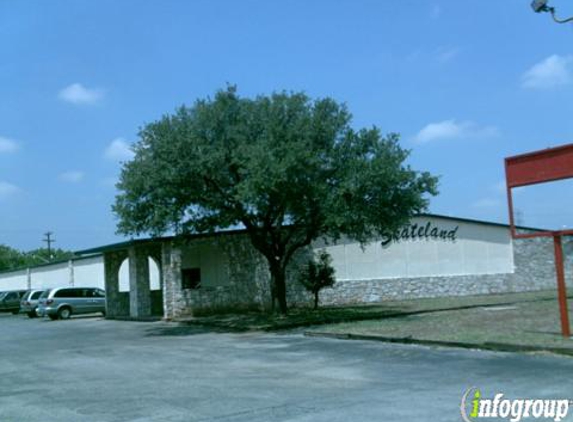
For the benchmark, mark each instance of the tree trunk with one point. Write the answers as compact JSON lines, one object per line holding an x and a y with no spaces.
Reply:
{"x":315,"y":300}
{"x":279,"y":280}
{"x":273,"y":294}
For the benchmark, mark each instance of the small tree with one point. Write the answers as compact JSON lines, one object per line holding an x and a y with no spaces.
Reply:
{"x":315,"y":276}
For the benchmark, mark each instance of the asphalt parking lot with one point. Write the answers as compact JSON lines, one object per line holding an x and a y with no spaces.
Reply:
{"x":90,"y":369}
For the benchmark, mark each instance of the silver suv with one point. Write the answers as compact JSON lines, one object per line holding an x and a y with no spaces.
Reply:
{"x":29,"y":302}
{"x":63,"y":302}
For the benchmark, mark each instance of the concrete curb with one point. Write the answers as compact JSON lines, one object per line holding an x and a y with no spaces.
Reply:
{"x":491,"y":346}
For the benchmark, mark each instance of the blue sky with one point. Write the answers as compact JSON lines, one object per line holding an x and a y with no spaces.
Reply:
{"x":465,"y":83}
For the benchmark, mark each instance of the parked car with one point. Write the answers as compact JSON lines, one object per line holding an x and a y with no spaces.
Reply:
{"x":29,"y":302}
{"x":63,"y":302}
{"x":10,"y":301}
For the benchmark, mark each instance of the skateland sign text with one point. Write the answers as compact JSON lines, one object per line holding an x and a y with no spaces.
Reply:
{"x":415,"y":231}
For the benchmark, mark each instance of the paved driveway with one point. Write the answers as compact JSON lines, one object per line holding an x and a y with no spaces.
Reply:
{"x":89,"y":369}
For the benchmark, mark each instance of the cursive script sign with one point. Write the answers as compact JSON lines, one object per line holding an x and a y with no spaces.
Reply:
{"x":415,"y":231}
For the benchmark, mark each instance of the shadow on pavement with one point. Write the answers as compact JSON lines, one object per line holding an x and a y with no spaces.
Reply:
{"x":298,"y":319}
{"x":186,"y":330}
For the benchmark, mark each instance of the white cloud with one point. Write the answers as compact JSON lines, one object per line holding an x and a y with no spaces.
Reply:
{"x":118,"y":150}
{"x":436,"y":11}
{"x":500,"y":187}
{"x":78,"y":94}
{"x":486,"y":203}
{"x":8,"y":145}
{"x":452,"y":129}
{"x":552,"y":72}
{"x":446,"y":54}
{"x":73,"y":176}
{"x":7,"y":189}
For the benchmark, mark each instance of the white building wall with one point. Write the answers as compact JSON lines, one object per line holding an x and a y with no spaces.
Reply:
{"x":471,"y":249}
{"x":89,"y":273}
{"x":80,"y":272}
{"x":50,"y":276}
{"x":17,"y":280}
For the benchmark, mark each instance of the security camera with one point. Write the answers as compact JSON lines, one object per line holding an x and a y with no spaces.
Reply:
{"x":539,"y":6}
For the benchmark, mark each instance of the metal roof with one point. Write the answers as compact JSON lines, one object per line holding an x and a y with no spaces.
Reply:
{"x":134,"y":242}
{"x":99,"y":250}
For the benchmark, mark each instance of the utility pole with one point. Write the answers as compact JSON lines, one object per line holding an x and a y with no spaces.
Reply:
{"x":48,"y":239}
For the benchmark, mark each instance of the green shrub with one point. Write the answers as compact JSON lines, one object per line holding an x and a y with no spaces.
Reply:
{"x":317,"y":275}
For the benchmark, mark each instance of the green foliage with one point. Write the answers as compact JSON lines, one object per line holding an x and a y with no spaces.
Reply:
{"x":287,"y":168}
{"x":11,"y":258}
{"x":316,"y":276}
{"x":41,"y":256}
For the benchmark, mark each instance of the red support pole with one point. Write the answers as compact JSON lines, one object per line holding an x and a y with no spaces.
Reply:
{"x":547,"y":165}
{"x":561,"y":289}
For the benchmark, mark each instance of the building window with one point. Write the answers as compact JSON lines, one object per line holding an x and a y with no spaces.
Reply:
{"x":191,"y":278}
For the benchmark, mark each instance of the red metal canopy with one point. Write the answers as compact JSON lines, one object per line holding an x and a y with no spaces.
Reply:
{"x":546,"y":165}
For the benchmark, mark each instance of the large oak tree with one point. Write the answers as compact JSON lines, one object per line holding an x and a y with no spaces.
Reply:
{"x":287,"y":168}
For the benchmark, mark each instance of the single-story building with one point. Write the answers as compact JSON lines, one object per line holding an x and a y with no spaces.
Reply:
{"x":433,"y":256}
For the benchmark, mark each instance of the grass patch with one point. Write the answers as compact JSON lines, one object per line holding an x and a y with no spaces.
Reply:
{"x":387,"y":311}
{"x":532,"y":323}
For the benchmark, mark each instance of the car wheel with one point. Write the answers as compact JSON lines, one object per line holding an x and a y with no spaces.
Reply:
{"x":15,"y":312}
{"x":103,"y":313}
{"x":64,"y":313}
{"x":32,"y":314}
{"x":53,"y":317}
